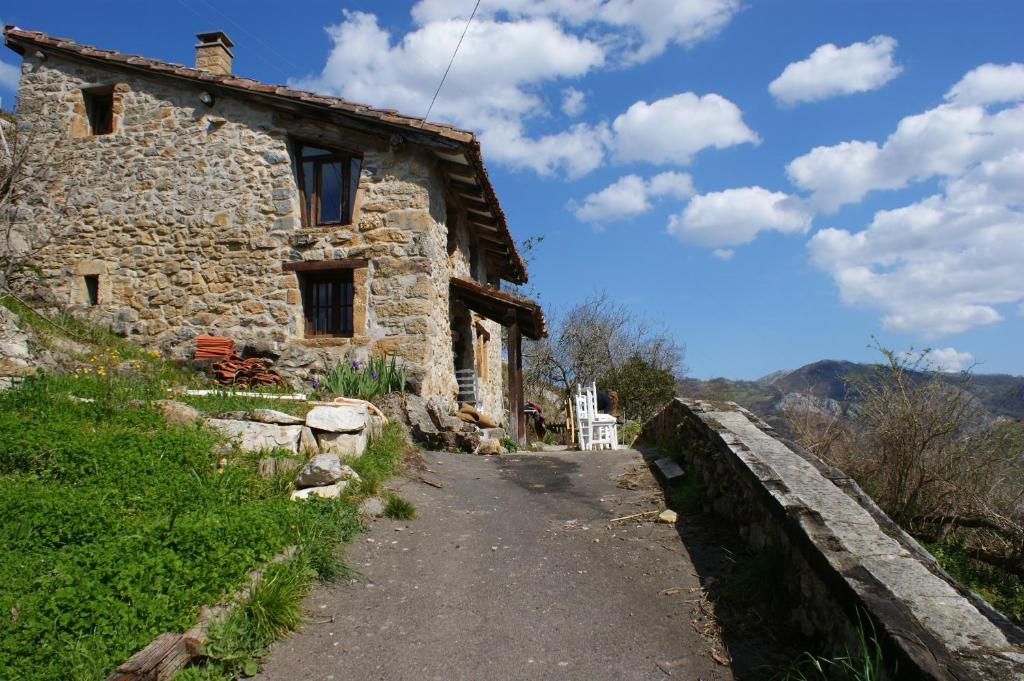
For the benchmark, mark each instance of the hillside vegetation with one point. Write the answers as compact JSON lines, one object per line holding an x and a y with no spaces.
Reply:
{"x":119,"y":526}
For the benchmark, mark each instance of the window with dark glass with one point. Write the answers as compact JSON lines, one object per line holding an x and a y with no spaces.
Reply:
{"x":327,"y":298}
{"x":92,"y":288}
{"x":99,"y":107}
{"x":328,"y":181}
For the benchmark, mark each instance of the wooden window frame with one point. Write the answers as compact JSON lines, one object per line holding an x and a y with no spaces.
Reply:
{"x":347,"y":195}
{"x":92,"y":96}
{"x":346,"y":313}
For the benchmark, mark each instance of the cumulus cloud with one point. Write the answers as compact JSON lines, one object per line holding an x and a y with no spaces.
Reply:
{"x":948,"y":262}
{"x":941,"y":142}
{"x":832,"y":70}
{"x":949,"y":359}
{"x":630,"y":196}
{"x":736,"y":216}
{"x":723,"y":253}
{"x":512,"y":53}
{"x":574,"y":102}
{"x":989,"y":84}
{"x":632,"y":30}
{"x":673,"y":129}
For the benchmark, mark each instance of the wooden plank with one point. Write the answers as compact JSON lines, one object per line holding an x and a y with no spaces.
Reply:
{"x":314,"y":265}
{"x":517,"y":419}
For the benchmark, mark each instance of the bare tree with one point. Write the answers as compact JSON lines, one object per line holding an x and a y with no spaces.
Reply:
{"x":593,"y":339}
{"x":933,"y":459}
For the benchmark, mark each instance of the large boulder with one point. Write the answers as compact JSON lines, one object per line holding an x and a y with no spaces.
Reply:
{"x":324,"y":469}
{"x":307,"y":442}
{"x":254,"y":437}
{"x":337,"y":418}
{"x":344,"y":444}
{"x":274,"y":416}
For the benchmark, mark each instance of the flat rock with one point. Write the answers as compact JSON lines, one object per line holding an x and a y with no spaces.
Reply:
{"x":668,"y":516}
{"x":490,"y":446}
{"x":274,"y":416}
{"x":343,"y":444}
{"x":341,"y":418}
{"x":177,"y":413}
{"x":323,"y":491}
{"x":372,"y":506}
{"x":254,"y":437}
{"x":668,"y":468}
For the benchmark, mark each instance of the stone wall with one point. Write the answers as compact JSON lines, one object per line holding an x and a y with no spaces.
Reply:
{"x":186,"y":213}
{"x":845,"y":560}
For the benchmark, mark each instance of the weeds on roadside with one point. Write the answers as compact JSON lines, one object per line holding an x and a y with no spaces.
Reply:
{"x":863,"y":664}
{"x":382,"y":458}
{"x":398,"y":508}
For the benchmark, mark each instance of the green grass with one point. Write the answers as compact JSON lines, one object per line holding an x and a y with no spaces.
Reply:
{"x":864,"y":663}
{"x":398,"y":508}
{"x":686,"y":495}
{"x":1003,"y":590}
{"x":510,"y":445}
{"x":119,"y":527}
{"x":381,"y":460}
{"x":226,"y":400}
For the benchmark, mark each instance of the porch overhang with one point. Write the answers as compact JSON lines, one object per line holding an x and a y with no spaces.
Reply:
{"x":501,"y":307}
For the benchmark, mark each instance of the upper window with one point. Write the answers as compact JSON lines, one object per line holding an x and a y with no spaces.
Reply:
{"x":328,"y":180}
{"x":99,"y":107}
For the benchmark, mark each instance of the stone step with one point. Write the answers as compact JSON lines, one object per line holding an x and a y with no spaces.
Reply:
{"x":668,"y":469}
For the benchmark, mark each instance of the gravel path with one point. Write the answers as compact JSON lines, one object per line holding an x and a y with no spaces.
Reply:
{"x":511,"y":571}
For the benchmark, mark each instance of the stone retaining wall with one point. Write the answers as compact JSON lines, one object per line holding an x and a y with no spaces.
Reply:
{"x":845,"y":559}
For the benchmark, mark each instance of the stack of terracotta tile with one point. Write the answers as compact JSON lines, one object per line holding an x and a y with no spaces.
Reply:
{"x":214,"y":347}
{"x":245,"y":372}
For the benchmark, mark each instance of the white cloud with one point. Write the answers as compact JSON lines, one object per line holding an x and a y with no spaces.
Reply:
{"x":673,"y":129}
{"x":630,"y":196}
{"x":989,"y":84}
{"x":633,"y":30}
{"x":723,"y":253}
{"x":949,"y":359}
{"x":9,"y":75}
{"x":574,"y":102}
{"x":832,"y":70}
{"x":490,"y":88}
{"x":736,"y":216}
{"x":941,"y":142}
{"x":948,"y":262}
{"x":513,"y":50}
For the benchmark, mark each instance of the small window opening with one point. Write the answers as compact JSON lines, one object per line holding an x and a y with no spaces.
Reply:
{"x":328,"y":181}
{"x":92,"y":288}
{"x":99,"y":106}
{"x":327,"y":302}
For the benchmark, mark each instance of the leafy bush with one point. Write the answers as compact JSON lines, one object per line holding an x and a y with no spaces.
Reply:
{"x":365,"y":381}
{"x":509,"y":444}
{"x":398,"y":508}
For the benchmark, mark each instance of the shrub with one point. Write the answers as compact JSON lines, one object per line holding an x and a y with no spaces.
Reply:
{"x":509,"y":444}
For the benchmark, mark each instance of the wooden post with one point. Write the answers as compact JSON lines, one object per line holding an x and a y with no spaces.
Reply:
{"x":517,"y":419}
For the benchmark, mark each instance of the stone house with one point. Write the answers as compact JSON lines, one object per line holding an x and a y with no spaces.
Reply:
{"x":311,"y":229}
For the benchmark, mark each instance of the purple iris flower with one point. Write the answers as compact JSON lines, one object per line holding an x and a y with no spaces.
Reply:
{"x":316,"y":382}
{"x":355,"y":364}
{"x":373,"y":375}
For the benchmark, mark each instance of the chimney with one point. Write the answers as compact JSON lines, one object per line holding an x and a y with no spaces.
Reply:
{"x":213,"y":52}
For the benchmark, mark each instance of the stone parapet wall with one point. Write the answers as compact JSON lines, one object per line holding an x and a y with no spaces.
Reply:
{"x":186,"y":212}
{"x":846,"y":561}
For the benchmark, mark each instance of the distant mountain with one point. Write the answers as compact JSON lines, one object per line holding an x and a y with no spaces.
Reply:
{"x":828,"y":386}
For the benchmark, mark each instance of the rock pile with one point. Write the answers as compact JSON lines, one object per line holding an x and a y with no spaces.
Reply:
{"x":324,"y":476}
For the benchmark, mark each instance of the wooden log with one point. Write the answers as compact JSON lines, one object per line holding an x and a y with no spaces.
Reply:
{"x":144,"y":665}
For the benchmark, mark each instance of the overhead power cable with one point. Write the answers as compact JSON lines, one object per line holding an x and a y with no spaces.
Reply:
{"x":452,"y":60}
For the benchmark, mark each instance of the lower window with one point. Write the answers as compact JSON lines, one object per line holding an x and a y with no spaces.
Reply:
{"x":327,"y":299}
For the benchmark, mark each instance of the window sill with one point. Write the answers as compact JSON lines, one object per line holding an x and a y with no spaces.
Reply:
{"x":332,"y":341}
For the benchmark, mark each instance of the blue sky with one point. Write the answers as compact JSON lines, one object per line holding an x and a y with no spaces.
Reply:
{"x":775,"y":182}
